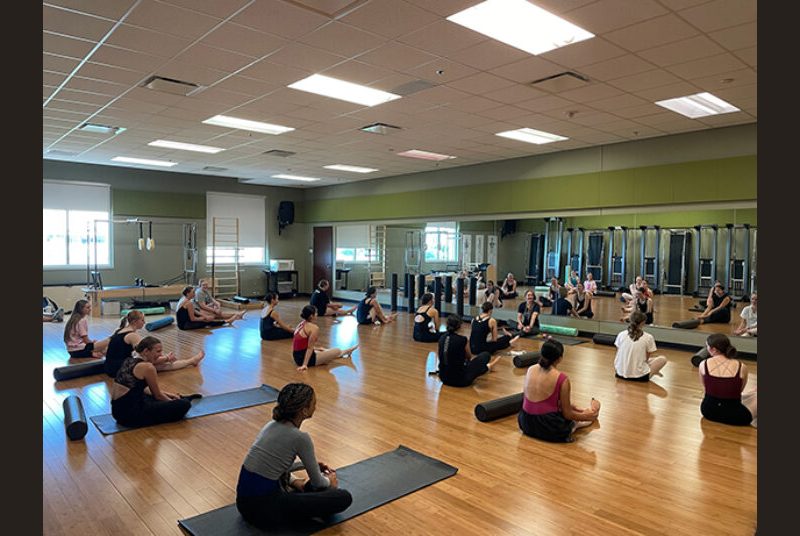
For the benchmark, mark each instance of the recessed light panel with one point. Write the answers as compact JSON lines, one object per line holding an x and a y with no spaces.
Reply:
{"x":143,"y":161}
{"x":346,"y":91}
{"x":530,"y":135}
{"x":353,"y":169}
{"x":101,"y":129}
{"x":698,"y":105}
{"x":185,"y":146}
{"x":520,"y":24}
{"x":295,"y":178}
{"x":425,"y":155}
{"x":246,"y":124}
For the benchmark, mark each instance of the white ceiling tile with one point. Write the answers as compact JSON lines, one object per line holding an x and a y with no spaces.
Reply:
{"x":617,"y":68}
{"x":559,"y":7}
{"x":84,"y":97}
{"x":527,"y":70}
{"x":126,"y":59}
{"x":300,"y":56}
{"x":214,"y":58}
{"x":726,"y":81}
{"x":58,"y":64}
{"x":748,"y":55}
{"x":393,"y":55}
{"x":681,"y":4}
{"x":343,"y":40}
{"x":652,"y":33}
{"x":606,"y":15}
{"x":742,"y":36}
{"x":244,"y":40}
{"x":147,"y":41}
{"x":442,"y":71}
{"x":682,"y":51}
{"x":222,"y":97}
{"x":70,"y":106}
{"x":514,"y":94}
{"x":639,"y":111}
{"x":358,"y":73}
{"x":101,"y":8}
{"x":194,"y":74}
{"x":584,"y":53}
{"x":110,"y":73}
{"x":280,"y":18}
{"x":707,"y":66}
{"x":171,"y":19}
{"x":74,"y":24}
{"x":50,"y":78}
{"x":67,"y":46}
{"x":543,"y":104}
{"x":442,"y":37}
{"x":504,"y":113}
{"x":439,"y":95}
{"x":720,"y":14}
{"x":613,"y":104}
{"x":246,"y":86}
{"x":679,"y":89}
{"x":390,"y":18}
{"x":480,"y":83}
{"x":273,"y":73}
{"x":216,"y":8}
{"x":644,"y":80}
{"x":475,"y":103}
{"x":445,"y":8}
{"x":488,"y":55}
{"x":589,"y":93}
{"x":96,"y":86}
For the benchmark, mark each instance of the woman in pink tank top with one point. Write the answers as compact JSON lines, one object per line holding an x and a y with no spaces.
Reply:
{"x":547,"y":412}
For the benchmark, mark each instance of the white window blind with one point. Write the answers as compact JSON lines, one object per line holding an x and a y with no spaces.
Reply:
{"x":251,"y":212}
{"x":352,"y":236}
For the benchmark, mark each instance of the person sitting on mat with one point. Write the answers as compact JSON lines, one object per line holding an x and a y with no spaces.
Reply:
{"x":635,"y":358}
{"x":426,"y":321}
{"x":483,"y":335}
{"x":528,"y":315}
{"x":547,"y":412}
{"x":508,"y":289}
{"x":590,"y":284}
{"x":305,"y":336}
{"x":562,"y":306}
{"x":205,"y":302}
{"x":749,"y":324}
{"x":718,"y":307}
{"x":492,"y":295}
{"x":76,"y":333}
{"x":130,"y":405}
{"x":187,"y":317}
{"x":268,"y":495}
{"x":458,"y":367}
{"x":322,"y":301}
{"x":271,"y":326}
{"x":583,"y":302}
{"x":369,"y":310}
{"x":724,"y":379}
{"x":125,"y":339}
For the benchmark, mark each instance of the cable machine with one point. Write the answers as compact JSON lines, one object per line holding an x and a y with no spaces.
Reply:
{"x":413,"y":252}
{"x":648,"y":267}
{"x":736,"y":264}
{"x":616,"y":263}
{"x":676,"y":274}
{"x":535,"y":254}
{"x":705,"y":258}
{"x":552,"y":247}
{"x":594,"y":254}
{"x":574,"y":257}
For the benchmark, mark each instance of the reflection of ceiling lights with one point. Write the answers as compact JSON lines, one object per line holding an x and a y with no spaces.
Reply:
{"x":295,"y":178}
{"x":425,"y":155}
{"x":698,"y":105}
{"x":353,"y":169}
{"x":143,"y":161}
{"x":185,"y":146}
{"x":101,"y":129}
{"x":520,"y":24}
{"x":530,"y":135}
{"x":246,"y":124}
{"x":346,"y":91}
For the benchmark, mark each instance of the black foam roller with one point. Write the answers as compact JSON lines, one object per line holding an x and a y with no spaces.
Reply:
{"x":448,"y":288}
{"x":420,"y":285}
{"x":460,"y":297}
{"x":602,"y":338}
{"x":699,"y":356}
{"x":406,"y":285}
{"x":501,"y":407}
{"x":394,"y":292}
{"x":160,"y":323}
{"x":410,"y":294}
{"x":527,"y":359}
{"x":437,"y":293}
{"x":686,"y":324}
{"x":89,"y":368}
{"x":473,"y":290}
{"x":605,"y":293}
{"x":74,"y":418}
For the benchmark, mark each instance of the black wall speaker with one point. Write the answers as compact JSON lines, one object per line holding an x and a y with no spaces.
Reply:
{"x":509,"y":227}
{"x":285,"y":214}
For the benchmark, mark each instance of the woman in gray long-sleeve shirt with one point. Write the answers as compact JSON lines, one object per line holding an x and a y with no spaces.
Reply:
{"x":268,"y":494}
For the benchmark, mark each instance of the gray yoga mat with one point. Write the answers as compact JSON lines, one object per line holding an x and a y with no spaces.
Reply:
{"x":208,"y":405}
{"x":566,"y":340}
{"x":372,"y":482}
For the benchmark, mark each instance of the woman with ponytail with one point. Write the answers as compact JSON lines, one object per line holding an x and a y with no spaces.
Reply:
{"x":724,"y":379}
{"x":636,"y":359}
{"x":305,"y":337}
{"x":369,"y":310}
{"x":268,"y":495}
{"x":272,"y":327}
{"x":125,"y":339}
{"x":457,"y":366}
{"x":547,"y":412}
{"x":76,"y":333}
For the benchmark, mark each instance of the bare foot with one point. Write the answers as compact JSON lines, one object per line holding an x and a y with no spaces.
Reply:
{"x":595,"y":405}
{"x":199,"y":357}
{"x":490,"y":365}
{"x":349,"y":351}
{"x":97,"y":355}
{"x":515,"y":339}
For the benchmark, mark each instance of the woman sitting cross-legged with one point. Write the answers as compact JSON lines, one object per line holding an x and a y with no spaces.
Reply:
{"x":426,"y":321}
{"x":483,"y":336}
{"x":547,"y":412}
{"x":76,"y":333}
{"x":635,"y":348}
{"x":457,"y":366}
{"x":724,"y":379}
{"x":305,"y":336}
{"x":268,"y":495}
{"x":272,"y":327}
{"x":369,"y":310}
{"x":528,"y":315}
{"x":188,"y":316}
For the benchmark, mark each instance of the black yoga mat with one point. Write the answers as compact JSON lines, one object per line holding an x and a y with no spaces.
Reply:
{"x":208,"y":405}
{"x":372,"y":482}
{"x":566,"y":340}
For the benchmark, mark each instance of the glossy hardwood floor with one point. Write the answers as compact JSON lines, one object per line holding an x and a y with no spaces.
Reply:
{"x":651,"y":465}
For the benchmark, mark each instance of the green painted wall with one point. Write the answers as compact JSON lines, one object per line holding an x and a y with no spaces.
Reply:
{"x":687,"y":218}
{"x":158,"y":204}
{"x":727,"y":179}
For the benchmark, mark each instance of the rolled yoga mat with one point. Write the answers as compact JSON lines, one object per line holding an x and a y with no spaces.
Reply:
{"x":539,"y":290}
{"x":74,"y":418}
{"x":207,"y":405}
{"x":687,"y":324}
{"x":372,"y":483}
{"x":145,"y":310}
{"x":160,"y":323}
{"x":89,"y":368}
{"x":241,"y":299}
{"x":567,"y":340}
{"x":527,"y":359}
{"x":699,"y":356}
{"x":603,"y":338}
{"x":605,"y":293}
{"x":501,"y":407}
{"x":558,"y":330}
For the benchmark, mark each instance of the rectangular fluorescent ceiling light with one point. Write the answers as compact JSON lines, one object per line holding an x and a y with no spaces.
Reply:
{"x":346,"y":91}
{"x":185,"y":146}
{"x":246,"y":124}
{"x":530,"y":135}
{"x":425,"y":155}
{"x":699,"y":105}
{"x":101,"y":129}
{"x":143,"y":161}
{"x":354,"y":169}
{"x":520,"y":24}
{"x":295,"y":178}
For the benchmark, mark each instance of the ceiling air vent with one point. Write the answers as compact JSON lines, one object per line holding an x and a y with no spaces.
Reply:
{"x":379,"y":128}
{"x":172,"y":86}
{"x":280,"y":153}
{"x":101,"y":129}
{"x":561,"y":82}
{"x":215,"y":169}
{"x":411,"y":87}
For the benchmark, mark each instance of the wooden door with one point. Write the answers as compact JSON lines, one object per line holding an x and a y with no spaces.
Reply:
{"x":323,"y":256}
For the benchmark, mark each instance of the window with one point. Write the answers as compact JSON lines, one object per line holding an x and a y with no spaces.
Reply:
{"x":440,"y":242}
{"x":248,"y":212}
{"x":75,"y":224}
{"x":354,"y":255}
{"x":353,"y":244}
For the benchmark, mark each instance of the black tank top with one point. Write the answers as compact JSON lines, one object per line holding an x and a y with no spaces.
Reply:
{"x":480,"y":330}
{"x":422,"y":326}
{"x":182,"y":317}
{"x":717,"y":300}
{"x":118,"y":351}
{"x":267,"y":322}
{"x":579,"y":302}
{"x":643,"y":308}
{"x":362,"y":313}
{"x":126,"y":378}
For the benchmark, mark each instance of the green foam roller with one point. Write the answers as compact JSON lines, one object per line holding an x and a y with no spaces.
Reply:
{"x":146,"y":311}
{"x":558,"y":330}
{"x":541,"y":290}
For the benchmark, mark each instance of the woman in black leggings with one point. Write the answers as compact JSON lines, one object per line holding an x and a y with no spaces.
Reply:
{"x":130,"y":406}
{"x":426,"y":321}
{"x":457,"y":366}
{"x":718,"y":307}
{"x":483,"y":337}
{"x":272,"y":327}
{"x":268,"y":495}
{"x":187,"y":317}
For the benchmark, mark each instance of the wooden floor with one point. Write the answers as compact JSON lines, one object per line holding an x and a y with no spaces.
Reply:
{"x":651,"y":465}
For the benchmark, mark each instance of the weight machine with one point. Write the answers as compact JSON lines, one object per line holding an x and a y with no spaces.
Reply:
{"x":676,"y":275}
{"x":616,"y":263}
{"x":574,"y":258}
{"x":552,"y":247}
{"x":594,"y":255}
{"x":705,"y":258}
{"x":649,"y":263}
{"x":737,"y":280}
